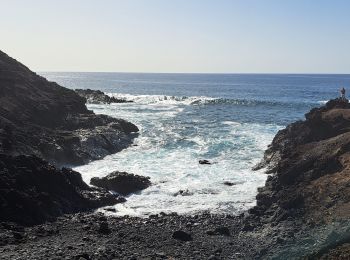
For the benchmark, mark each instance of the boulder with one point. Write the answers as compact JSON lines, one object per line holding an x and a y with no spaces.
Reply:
{"x":33,"y":191}
{"x":122,"y":182}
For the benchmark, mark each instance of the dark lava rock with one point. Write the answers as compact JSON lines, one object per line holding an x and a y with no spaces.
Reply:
{"x":104,"y":228}
{"x":52,"y":122}
{"x":98,"y":97}
{"x":204,"y":162}
{"x":122,"y":182}
{"x":183,"y":193}
{"x":219,"y":231}
{"x":33,"y":191}
{"x":228,"y":183}
{"x":182,"y":235}
{"x":310,"y":164}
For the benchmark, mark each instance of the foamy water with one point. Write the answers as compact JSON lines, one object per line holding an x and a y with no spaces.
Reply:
{"x":226,"y":118}
{"x":174,"y":135}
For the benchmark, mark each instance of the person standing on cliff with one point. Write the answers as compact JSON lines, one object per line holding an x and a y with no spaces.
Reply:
{"x":342,"y":93}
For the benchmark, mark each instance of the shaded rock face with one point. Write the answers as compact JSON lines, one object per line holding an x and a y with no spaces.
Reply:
{"x":310,"y":162}
{"x":33,"y":191}
{"x":98,"y":97}
{"x":122,"y":182}
{"x":42,"y":118}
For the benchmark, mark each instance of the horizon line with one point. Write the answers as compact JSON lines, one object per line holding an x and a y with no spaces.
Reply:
{"x":210,"y":73}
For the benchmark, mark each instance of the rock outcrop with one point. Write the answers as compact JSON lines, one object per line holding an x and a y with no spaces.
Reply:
{"x":310,"y":162}
{"x":122,"y":182}
{"x":309,"y":185}
{"x":99,"y":97}
{"x":42,"y":118}
{"x":33,"y":191}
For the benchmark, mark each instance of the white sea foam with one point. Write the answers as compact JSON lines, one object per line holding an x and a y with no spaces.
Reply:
{"x":168,"y":150}
{"x":322,"y":102}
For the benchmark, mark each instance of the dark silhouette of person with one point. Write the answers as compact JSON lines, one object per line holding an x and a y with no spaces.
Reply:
{"x":342,"y":93}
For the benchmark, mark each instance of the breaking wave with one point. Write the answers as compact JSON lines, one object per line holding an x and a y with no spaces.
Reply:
{"x":199,"y":100}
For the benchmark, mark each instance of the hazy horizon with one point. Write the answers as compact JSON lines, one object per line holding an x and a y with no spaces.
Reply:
{"x":154,"y":36}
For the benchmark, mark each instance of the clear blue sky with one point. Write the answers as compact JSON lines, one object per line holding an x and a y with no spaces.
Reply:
{"x":225,"y":36}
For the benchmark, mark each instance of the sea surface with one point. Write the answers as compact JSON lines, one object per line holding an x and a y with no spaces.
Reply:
{"x":228,"y":119}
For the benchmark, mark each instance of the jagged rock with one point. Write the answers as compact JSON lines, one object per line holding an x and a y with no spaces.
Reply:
{"x":98,"y":97}
{"x":183,"y":193}
{"x":122,"y":182}
{"x":310,"y":165}
{"x":52,"y":122}
{"x":204,"y":162}
{"x":33,"y":191}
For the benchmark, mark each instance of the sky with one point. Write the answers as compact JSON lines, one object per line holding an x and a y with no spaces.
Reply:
{"x":190,"y":36}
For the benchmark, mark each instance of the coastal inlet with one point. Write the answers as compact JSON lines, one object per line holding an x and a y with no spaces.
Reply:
{"x":174,"y":136}
{"x":183,"y":118}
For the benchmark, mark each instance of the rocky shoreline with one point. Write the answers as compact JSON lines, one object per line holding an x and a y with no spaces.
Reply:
{"x":47,"y":213}
{"x":52,"y":122}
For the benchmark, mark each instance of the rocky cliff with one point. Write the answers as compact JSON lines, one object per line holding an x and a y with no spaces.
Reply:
{"x":309,"y":185}
{"x":42,"y":118}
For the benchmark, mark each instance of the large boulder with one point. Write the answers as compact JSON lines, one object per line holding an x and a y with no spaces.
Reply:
{"x":33,"y":191}
{"x":122,"y":182}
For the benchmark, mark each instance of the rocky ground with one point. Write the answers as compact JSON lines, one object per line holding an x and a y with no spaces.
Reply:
{"x":303,"y":211}
{"x":93,"y":236}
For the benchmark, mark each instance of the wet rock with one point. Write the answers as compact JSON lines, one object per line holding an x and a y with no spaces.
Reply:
{"x":98,"y":97}
{"x":182,"y":235}
{"x":228,"y":183}
{"x":204,"y":162}
{"x":110,"y":209}
{"x":183,"y":193}
{"x":122,"y":182}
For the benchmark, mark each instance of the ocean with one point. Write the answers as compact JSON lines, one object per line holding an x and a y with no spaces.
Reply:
{"x":228,"y":119}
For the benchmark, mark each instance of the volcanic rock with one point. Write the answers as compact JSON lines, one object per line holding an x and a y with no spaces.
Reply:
{"x":122,"y":182}
{"x":182,"y":235}
{"x":33,"y":191}
{"x":310,"y":162}
{"x":98,"y":97}
{"x":52,"y":122}
{"x":204,"y":162}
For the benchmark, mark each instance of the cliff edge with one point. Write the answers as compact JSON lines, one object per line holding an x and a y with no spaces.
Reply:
{"x":52,"y":122}
{"x":309,"y":181}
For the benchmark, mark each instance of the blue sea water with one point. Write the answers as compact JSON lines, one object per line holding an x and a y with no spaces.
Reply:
{"x":228,"y":119}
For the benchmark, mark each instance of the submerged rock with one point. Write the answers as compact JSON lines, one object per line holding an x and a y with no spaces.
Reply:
{"x":183,"y":193}
{"x":98,"y":97}
{"x":228,"y":183}
{"x":122,"y":182}
{"x":204,"y":162}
